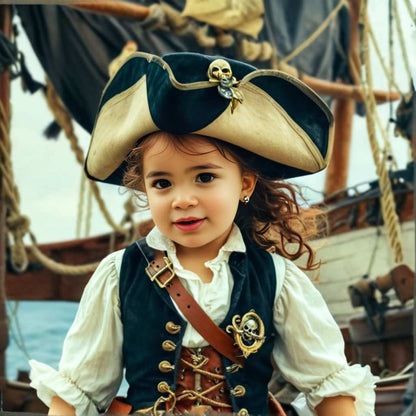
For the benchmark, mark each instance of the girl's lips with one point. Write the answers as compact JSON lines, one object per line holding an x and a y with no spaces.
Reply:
{"x":189,"y":224}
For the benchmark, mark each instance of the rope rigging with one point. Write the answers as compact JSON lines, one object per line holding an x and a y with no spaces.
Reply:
{"x":318,"y":31}
{"x":63,"y":118}
{"x":379,"y":155}
{"x":400,"y":34}
{"x":411,"y":10}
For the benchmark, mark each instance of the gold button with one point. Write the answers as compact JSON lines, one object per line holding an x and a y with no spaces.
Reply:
{"x":238,"y":391}
{"x":172,"y":328}
{"x":243,"y":412}
{"x":166,"y":366}
{"x":163,"y":387}
{"x":168,"y":345}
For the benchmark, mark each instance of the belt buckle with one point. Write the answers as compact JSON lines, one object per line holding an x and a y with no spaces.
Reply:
{"x":155,"y":277}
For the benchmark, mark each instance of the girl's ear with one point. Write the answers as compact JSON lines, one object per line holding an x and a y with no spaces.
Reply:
{"x":248,"y":183}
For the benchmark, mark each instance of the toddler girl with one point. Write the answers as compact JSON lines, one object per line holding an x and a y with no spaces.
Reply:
{"x":196,"y":312}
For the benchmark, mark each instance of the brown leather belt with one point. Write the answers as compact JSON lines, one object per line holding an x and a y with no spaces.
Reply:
{"x":160,"y":270}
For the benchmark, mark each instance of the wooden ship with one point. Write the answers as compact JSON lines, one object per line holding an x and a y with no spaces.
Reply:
{"x":368,"y":257}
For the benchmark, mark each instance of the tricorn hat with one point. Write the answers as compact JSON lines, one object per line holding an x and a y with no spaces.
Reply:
{"x":283,"y":128}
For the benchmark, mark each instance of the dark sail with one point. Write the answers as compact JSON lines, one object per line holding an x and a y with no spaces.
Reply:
{"x":75,"y":47}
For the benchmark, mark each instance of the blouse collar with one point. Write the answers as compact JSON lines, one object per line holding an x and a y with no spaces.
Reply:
{"x":156,"y":240}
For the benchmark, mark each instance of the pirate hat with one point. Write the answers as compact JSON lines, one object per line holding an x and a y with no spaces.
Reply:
{"x":283,"y":128}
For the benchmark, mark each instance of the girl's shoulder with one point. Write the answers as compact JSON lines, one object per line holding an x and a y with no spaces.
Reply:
{"x":109,"y":267}
{"x":102,"y":288}
{"x":289,"y":275}
{"x":280,"y":268}
{"x":287,"y":267}
{"x":114,"y":259}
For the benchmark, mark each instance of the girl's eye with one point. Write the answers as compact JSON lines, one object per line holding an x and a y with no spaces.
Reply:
{"x":161,"y":184}
{"x":205,"y":177}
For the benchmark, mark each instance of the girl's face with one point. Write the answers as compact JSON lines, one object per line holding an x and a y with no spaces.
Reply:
{"x":193,"y":197}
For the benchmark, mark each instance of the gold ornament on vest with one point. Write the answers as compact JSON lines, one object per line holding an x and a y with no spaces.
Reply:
{"x":248,"y":332}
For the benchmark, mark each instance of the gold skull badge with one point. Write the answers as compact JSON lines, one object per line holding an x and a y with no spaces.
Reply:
{"x":248,"y":332}
{"x":220,"y":72}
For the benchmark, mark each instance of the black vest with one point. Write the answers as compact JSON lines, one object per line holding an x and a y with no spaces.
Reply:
{"x":146,"y":309}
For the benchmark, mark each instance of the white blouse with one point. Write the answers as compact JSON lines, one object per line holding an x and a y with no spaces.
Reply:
{"x":309,"y":349}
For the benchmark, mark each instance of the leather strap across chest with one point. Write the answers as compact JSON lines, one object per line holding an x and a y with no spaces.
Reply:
{"x":160,"y":271}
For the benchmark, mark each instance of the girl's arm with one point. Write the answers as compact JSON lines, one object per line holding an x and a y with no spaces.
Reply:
{"x":88,"y":350}
{"x":309,"y":350}
{"x":60,"y":407}
{"x":337,"y":406}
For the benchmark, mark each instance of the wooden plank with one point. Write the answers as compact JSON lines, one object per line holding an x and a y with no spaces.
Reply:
{"x":347,"y":260}
{"x":47,"y":286}
{"x":40,"y":283}
{"x":348,"y":213}
{"x":119,"y":8}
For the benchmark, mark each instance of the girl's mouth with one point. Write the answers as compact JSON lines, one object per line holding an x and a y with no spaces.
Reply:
{"x":189,"y":224}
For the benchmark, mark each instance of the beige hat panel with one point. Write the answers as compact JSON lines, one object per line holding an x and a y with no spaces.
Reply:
{"x":122,"y":121}
{"x":276,"y":137}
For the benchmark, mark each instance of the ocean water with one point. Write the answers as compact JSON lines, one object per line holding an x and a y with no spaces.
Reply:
{"x":37,"y":331}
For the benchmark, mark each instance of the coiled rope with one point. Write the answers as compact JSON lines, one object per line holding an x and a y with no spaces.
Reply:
{"x":61,"y":268}
{"x":18,"y":225}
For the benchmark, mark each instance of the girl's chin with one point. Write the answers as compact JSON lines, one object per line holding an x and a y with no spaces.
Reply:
{"x":198,"y":243}
{"x":189,"y":244}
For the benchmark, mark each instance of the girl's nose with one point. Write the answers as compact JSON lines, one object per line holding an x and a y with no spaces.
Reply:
{"x":184,"y":200}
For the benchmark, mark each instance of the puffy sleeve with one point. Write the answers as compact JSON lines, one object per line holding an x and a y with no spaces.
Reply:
{"x":90,"y":370}
{"x":309,"y":348}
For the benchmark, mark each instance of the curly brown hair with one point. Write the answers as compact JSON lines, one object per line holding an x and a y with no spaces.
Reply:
{"x":274,"y":219}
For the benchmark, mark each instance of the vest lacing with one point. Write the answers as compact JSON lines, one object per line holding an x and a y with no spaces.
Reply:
{"x":201,"y":381}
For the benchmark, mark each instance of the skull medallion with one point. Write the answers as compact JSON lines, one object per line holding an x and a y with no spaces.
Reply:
{"x":218,"y":70}
{"x":220,"y":73}
{"x":248,"y":332}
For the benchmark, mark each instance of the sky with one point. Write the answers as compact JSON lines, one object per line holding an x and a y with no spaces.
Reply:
{"x":48,"y":176}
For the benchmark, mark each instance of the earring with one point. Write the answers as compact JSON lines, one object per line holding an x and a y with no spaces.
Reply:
{"x":246,"y":199}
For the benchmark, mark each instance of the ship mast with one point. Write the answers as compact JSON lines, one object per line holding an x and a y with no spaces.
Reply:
{"x":344,"y":109}
{"x":5,"y":22}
